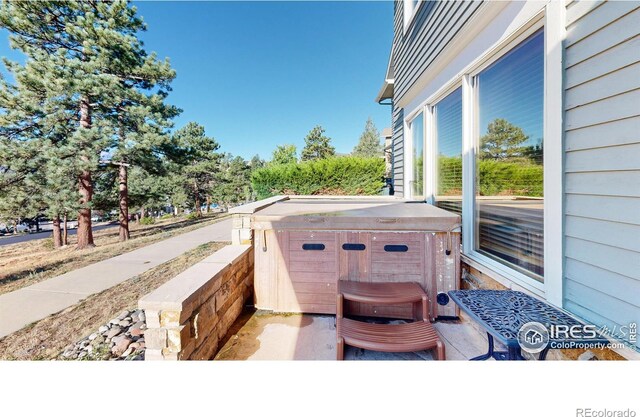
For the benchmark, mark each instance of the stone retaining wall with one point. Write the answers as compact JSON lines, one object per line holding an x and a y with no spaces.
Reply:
{"x":241,"y":215}
{"x":189,"y":315}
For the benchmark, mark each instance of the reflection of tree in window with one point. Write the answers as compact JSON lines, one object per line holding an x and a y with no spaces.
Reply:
{"x":502,"y":141}
{"x":509,"y":182}
{"x":417,"y":156}
{"x":507,"y":166}
{"x":448,"y":127}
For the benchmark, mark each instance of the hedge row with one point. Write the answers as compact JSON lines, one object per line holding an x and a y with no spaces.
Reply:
{"x":347,"y":175}
{"x":511,"y":177}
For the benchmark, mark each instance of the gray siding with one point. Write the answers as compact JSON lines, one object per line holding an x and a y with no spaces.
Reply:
{"x":435,"y":25}
{"x":602,"y":162}
{"x":398,"y":152}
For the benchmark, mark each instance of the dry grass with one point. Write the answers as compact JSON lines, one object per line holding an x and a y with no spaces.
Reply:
{"x":48,"y":337}
{"x":27,"y":263}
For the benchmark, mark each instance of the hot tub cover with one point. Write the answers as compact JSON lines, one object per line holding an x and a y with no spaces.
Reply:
{"x":334,"y":214}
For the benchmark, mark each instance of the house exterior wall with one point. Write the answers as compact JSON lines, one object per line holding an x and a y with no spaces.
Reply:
{"x":432,"y":28}
{"x":600,"y":138}
{"x":602,"y":162}
{"x":398,"y":152}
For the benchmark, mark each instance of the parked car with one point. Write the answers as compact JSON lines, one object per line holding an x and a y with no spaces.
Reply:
{"x":20,"y":228}
{"x":23,"y":228}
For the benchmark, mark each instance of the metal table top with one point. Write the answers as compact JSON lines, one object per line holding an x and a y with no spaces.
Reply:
{"x":502,"y":313}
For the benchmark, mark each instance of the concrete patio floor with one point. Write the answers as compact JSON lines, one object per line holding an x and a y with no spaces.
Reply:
{"x":260,"y":335}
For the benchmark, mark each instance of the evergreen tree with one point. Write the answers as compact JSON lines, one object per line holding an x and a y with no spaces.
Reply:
{"x":256,"y":162}
{"x":238,"y":184}
{"x":199,"y":161}
{"x":317,"y":146}
{"x":140,"y":122}
{"x":284,"y":154}
{"x":502,"y":141}
{"x":35,"y":150}
{"x":88,"y":51}
{"x":369,"y":144}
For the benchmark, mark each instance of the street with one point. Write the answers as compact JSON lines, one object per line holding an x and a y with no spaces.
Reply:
{"x":25,"y":237}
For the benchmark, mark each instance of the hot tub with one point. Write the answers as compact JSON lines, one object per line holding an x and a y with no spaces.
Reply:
{"x":304,"y":246}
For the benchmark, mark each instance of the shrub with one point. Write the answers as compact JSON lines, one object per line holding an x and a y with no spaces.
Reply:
{"x":347,"y":175}
{"x":166,"y":216}
{"x":510,"y":178}
{"x":192,"y":216}
{"x":519,"y":177}
{"x":147,"y":220}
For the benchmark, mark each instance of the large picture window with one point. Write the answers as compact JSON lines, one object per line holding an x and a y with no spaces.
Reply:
{"x":448,"y":134}
{"x":509,"y":201}
{"x":416,"y":182}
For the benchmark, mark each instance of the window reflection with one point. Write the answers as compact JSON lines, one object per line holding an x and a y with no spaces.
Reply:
{"x":417,"y":157}
{"x":448,"y":117}
{"x":509,"y":188}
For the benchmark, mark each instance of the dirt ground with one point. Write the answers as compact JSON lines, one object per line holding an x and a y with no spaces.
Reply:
{"x":27,"y":263}
{"x":47,"y":338}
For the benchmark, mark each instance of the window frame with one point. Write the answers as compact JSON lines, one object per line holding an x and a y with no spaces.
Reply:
{"x":433,"y":157}
{"x":469,"y":212}
{"x":550,"y":18}
{"x":409,"y":13}
{"x":408,"y":154}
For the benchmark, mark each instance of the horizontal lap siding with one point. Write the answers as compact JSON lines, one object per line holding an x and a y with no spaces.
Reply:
{"x":432,"y":29}
{"x":435,"y":25}
{"x":602,"y":162}
{"x":398,"y":152}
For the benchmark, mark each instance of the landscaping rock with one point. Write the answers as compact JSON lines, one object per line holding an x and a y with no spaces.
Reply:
{"x":137,"y":329}
{"x":121,"y":346}
{"x":98,"y":340}
{"x":127,"y":352}
{"x":114,"y":331}
{"x":121,"y":339}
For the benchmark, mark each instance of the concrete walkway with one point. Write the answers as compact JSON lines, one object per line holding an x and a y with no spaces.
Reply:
{"x":33,"y":303}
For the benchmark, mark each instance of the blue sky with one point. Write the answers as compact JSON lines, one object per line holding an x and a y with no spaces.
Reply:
{"x":258,"y":74}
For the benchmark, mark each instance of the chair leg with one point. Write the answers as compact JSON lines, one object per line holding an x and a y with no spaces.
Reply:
{"x":440,"y":354}
{"x":340,"y":349}
{"x":425,"y":309}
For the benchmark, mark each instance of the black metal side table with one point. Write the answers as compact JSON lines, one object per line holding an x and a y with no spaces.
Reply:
{"x":502,"y":313}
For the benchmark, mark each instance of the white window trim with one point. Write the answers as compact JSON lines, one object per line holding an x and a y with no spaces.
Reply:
{"x":433,"y":139}
{"x":410,"y":13}
{"x":408,"y":154}
{"x":472,"y":139}
{"x":554,"y":35}
{"x":550,"y":18}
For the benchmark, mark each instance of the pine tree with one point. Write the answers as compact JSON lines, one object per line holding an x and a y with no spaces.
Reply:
{"x":199,"y":161}
{"x":502,"y":141}
{"x":86,"y":50}
{"x":256,"y":162}
{"x":284,"y":154}
{"x":34,"y":147}
{"x":238,"y":184}
{"x":317,"y":146}
{"x":369,"y":144}
{"x":141,"y":122}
